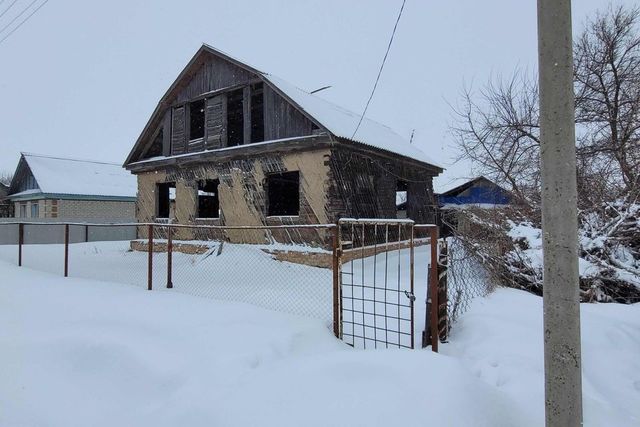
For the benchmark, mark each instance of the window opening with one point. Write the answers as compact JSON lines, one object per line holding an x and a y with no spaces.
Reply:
{"x":257,"y":112}
{"x":283,"y":194}
{"x":196,"y":120}
{"x":165,"y":199}
{"x":208,"y":201}
{"x":401,"y":200}
{"x":235,"y":117}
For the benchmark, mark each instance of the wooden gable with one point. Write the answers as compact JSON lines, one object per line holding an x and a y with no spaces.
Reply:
{"x":210,"y":77}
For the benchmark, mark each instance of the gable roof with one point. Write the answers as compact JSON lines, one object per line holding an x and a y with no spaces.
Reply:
{"x":339,"y":121}
{"x":342,"y":122}
{"x":468,"y":184}
{"x":74,"y":177}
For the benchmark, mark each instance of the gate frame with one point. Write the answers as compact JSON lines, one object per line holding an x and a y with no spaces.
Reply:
{"x":432,"y":300}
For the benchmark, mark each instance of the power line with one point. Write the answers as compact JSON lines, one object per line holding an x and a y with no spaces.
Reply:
{"x":17,"y":16}
{"x":380,"y":71}
{"x":23,"y":21}
{"x":7,"y":9}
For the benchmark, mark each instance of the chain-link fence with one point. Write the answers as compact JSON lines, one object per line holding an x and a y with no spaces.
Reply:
{"x":284,"y":268}
{"x":379,"y":282}
{"x":465,"y":277}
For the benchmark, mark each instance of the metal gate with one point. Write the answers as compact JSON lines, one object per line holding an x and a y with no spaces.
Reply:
{"x":376,"y":281}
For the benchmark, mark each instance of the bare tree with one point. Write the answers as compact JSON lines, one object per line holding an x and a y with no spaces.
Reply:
{"x":499,"y":133}
{"x":5,"y":177}
{"x":607,"y":83}
{"x":498,"y":128}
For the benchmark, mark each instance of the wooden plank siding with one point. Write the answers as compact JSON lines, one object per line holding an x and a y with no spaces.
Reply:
{"x":212,"y":78}
{"x":281,"y":119}
{"x":215,"y":120}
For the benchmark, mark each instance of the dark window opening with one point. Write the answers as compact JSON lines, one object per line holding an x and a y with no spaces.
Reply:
{"x":401,"y":199}
{"x":235,"y":117}
{"x":196,"y":119}
{"x":165,"y":199}
{"x":208,"y":201}
{"x":283,"y":194}
{"x":257,"y":113}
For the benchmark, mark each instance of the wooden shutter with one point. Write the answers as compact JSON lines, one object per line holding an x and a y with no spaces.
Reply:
{"x":215,"y":120}
{"x":178,"y":131}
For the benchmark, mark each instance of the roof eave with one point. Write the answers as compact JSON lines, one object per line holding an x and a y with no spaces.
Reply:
{"x":435,"y":168}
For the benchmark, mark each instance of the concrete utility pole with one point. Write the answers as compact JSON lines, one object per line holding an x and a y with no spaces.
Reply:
{"x":562,"y":366}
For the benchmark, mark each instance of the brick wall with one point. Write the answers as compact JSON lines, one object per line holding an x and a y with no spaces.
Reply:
{"x":95,"y":209}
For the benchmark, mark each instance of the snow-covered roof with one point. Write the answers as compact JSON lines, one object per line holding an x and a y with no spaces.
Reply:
{"x":343,"y":123}
{"x":339,"y":121}
{"x":56,"y":175}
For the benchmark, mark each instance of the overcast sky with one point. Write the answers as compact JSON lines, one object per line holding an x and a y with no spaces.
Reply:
{"x":81,"y":78}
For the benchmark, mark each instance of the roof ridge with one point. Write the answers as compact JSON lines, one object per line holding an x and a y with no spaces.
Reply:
{"x":44,"y":156}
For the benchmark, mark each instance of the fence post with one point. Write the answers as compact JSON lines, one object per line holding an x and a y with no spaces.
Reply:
{"x":169,"y":258}
{"x":20,"y":243}
{"x":411,"y":281}
{"x":66,"y":250}
{"x":433,"y":287}
{"x":443,"y":293}
{"x":150,"y":262}
{"x":336,"y":280}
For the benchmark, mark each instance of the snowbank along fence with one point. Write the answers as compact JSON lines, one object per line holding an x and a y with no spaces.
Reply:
{"x":377,"y":283}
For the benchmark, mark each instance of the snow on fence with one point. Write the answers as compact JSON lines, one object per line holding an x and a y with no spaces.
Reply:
{"x":296,"y":269}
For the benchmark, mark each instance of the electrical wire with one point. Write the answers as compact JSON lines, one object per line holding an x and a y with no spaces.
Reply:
{"x":23,"y":21}
{"x":17,"y":16}
{"x":384,"y":60}
{"x":7,"y":9}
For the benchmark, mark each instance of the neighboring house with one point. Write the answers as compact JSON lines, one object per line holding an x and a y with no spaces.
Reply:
{"x":54,"y":187}
{"x":5,"y":205}
{"x":229,"y":144}
{"x":477,"y":193}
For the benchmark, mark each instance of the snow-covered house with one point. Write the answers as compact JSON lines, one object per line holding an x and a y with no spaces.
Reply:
{"x":479,"y":191}
{"x":469,"y":194}
{"x":230,"y":144}
{"x":54,"y":187}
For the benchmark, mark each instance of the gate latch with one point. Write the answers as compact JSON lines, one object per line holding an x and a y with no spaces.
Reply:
{"x":410,"y":295}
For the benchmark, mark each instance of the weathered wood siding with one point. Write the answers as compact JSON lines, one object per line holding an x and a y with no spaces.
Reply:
{"x":211,"y":74}
{"x":215,"y":132}
{"x":178,"y":130}
{"x":283,"y":120}
{"x":364,"y":186}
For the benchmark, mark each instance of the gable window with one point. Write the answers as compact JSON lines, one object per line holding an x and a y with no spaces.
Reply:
{"x":208,"y":201}
{"x":235,"y":118}
{"x":283,"y":194}
{"x":165,"y":199}
{"x":257,"y":112}
{"x":401,"y":199}
{"x":35,"y":210}
{"x":196,"y":120}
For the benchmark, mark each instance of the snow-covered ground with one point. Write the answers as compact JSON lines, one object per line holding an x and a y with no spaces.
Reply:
{"x":78,"y":352}
{"x":245,"y":273}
